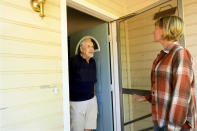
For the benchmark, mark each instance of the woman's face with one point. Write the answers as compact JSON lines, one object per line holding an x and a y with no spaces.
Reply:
{"x":158,"y":34}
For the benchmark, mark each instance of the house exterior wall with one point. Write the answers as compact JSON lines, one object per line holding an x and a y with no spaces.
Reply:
{"x":30,"y":63}
{"x":30,"y":67}
{"x":125,"y":66}
{"x":190,"y":19}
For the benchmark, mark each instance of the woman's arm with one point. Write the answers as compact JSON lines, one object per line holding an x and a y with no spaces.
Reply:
{"x":181,"y":90}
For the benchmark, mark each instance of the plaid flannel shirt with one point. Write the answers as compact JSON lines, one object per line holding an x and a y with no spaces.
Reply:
{"x":173,"y":89}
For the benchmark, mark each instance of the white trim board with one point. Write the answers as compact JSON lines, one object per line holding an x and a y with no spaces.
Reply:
{"x":91,"y":9}
{"x":65,"y":78}
{"x":115,"y":76}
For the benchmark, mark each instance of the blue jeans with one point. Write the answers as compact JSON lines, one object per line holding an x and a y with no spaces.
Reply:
{"x":165,"y":128}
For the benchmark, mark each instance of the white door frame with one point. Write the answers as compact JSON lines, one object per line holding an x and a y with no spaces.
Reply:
{"x":65,"y":78}
{"x":91,"y":9}
{"x":88,"y":8}
{"x":115,"y":76}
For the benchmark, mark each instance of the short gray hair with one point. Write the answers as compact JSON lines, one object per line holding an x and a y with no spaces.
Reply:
{"x":83,"y":41}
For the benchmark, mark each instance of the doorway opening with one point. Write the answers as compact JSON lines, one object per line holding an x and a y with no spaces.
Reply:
{"x":82,"y":25}
{"x":78,"y":21}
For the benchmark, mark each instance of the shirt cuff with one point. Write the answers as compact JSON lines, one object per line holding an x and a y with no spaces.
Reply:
{"x":148,"y":97}
{"x":173,"y":127}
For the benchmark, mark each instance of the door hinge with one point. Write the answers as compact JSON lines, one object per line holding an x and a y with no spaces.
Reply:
{"x":109,"y":37}
{"x":111,"y":88}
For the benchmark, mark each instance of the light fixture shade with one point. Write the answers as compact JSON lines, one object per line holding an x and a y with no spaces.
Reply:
{"x":35,"y":5}
{"x":38,"y":6}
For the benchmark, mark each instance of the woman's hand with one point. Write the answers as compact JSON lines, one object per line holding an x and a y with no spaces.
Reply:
{"x":139,"y":98}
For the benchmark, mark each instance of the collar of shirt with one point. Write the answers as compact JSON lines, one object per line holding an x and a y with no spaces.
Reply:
{"x":84,"y":59}
{"x":168,"y":50}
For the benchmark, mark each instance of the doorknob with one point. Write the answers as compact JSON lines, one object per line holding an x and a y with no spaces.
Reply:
{"x":38,"y":6}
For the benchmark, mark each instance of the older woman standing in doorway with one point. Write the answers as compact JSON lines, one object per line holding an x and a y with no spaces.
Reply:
{"x":172,"y":80}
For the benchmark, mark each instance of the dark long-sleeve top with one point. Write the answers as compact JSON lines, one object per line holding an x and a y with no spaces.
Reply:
{"x":82,"y":77}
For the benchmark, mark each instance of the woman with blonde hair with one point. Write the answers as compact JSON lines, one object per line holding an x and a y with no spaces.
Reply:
{"x":172,"y":80}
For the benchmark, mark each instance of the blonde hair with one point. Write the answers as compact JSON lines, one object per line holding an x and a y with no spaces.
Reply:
{"x":172,"y":26}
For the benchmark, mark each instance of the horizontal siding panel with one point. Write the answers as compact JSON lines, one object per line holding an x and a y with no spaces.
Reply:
{"x":192,"y":50}
{"x":20,"y":64}
{"x":28,"y":56}
{"x":54,"y":126}
{"x":28,"y":41}
{"x":143,"y":39}
{"x":190,"y":21}
{"x":40,"y":115}
{"x":137,"y":105}
{"x":144,"y":48}
{"x":189,"y":2}
{"x":142,"y":85}
{"x":146,"y":124}
{"x":28,"y":79}
{"x":141,"y":31}
{"x":189,"y":11}
{"x":191,"y":29}
{"x":150,"y":24}
{"x":144,"y":57}
{"x":28,"y":32}
{"x":142,"y":65}
{"x":20,"y":16}
{"x":191,"y":40}
{"x":51,"y":8}
{"x":23,"y":96}
{"x":141,"y":18}
{"x":28,"y":48}
{"x":55,"y":3}
{"x":140,"y":82}
{"x":30,"y":67}
{"x":138,"y":36}
{"x":141,"y":22}
{"x":140,"y":70}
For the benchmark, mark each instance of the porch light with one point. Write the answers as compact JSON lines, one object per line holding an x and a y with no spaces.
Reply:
{"x":38,"y":6}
